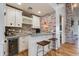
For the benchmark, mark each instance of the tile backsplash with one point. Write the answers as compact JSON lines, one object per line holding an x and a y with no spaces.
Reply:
{"x":9,"y":31}
{"x":26,"y":29}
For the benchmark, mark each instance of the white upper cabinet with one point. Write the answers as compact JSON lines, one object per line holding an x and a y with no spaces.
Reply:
{"x":18,"y":18}
{"x":27,"y":20}
{"x":36,"y":22}
{"x":10,"y":17}
{"x":13,"y":17}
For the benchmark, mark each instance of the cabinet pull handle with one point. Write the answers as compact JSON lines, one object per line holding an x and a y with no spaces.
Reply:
{"x":5,"y":41}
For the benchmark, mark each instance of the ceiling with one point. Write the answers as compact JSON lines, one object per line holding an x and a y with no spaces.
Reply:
{"x":44,"y":8}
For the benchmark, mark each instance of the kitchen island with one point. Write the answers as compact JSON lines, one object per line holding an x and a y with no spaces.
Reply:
{"x":32,"y":43}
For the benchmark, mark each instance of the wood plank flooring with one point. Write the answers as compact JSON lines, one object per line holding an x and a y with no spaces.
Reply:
{"x":66,"y":49}
{"x":23,"y":53}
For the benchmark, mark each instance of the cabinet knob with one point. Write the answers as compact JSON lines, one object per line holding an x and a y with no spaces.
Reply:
{"x":5,"y":41}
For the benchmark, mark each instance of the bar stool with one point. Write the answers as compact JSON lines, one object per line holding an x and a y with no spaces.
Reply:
{"x":43,"y":44}
{"x":53,"y":40}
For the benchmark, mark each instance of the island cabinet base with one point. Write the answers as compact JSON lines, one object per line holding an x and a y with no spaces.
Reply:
{"x":32,"y":49}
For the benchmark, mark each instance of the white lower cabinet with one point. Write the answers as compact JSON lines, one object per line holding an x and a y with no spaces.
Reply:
{"x":6,"y":47}
{"x":23,"y":43}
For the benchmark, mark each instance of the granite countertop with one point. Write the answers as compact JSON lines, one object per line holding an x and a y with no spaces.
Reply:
{"x":32,"y":34}
{"x":11,"y":36}
{"x":15,"y":36}
{"x":40,"y":34}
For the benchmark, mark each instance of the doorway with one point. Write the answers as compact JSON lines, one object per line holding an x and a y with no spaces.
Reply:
{"x":60,"y":20}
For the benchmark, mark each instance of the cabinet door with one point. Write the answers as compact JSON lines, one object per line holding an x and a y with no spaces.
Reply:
{"x":22,"y":44}
{"x":26,"y":41}
{"x":26,"y":20}
{"x":5,"y":47}
{"x":10,"y":16}
{"x":36,"y":22}
{"x":18,"y":18}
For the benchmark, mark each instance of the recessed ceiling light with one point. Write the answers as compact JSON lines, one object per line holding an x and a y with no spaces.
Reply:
{"x":74,"y":5}
{"x":39,"y":12}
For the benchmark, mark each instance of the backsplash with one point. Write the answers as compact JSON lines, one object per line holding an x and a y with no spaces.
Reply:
{"x":26,"y":29}
{"x":9,"y":31}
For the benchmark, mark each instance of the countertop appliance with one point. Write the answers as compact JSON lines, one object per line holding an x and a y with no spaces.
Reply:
{"x":37,"y":30}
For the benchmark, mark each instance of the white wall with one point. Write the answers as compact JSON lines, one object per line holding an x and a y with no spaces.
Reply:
{"x":2,"y":28}
{"x":57,"y":28}
{"x":60,"y":10}
{"x":63,"y":14}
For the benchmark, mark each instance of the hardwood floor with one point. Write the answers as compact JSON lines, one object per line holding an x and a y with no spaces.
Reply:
{"x":66,"y":49}
{"x":23,"y":53}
